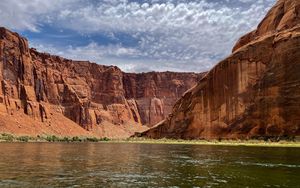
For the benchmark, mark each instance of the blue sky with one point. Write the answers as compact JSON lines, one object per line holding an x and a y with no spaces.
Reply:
{"x":136,"y":35}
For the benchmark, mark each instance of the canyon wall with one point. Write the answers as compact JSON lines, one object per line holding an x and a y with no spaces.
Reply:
{"x":253,"y":93}
{"x":59,"y":93}
{"x":156,"y":93}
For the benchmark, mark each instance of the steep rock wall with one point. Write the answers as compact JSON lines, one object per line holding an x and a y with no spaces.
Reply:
{"x":155,"y":94}
{"x":40,"y":85}
{"x":253,"y":93}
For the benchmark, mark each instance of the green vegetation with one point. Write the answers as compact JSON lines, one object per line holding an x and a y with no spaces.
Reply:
{"x":104,"y":139}
{"x":4,"y":137}
{"x":24,"y":138}
{"x":270,"y":142}
{"x":7,"y":137}
{"x":52,"y":138}
{"x":218,"y":142}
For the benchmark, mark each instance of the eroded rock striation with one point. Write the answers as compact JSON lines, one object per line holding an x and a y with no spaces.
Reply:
{"x":59,"y":93}
{"x":254,"y":92}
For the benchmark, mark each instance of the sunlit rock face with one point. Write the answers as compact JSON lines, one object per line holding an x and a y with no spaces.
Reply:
{"x":46,"y":87}
{"x":254,"y":92}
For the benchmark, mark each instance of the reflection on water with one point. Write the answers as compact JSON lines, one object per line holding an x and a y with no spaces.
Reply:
{"x":146,"y":165}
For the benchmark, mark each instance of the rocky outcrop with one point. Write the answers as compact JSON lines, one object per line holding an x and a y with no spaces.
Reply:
{"x":45,"y":87}
{"x":253,"y":93}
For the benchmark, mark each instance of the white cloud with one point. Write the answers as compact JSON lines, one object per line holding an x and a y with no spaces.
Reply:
{"x":28,"y":15}
{"x":175,"y":35}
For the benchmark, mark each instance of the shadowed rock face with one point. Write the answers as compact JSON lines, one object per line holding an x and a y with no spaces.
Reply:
{"x":254,"y":92}
{"x":155,"y":94}
{"x":40,"y":85}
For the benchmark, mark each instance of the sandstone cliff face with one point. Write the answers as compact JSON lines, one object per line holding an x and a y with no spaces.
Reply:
{"x":155,"y":94}
{"x":254,"y":92}
{"x":45,"y":87}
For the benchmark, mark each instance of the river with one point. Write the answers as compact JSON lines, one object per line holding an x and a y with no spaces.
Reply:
{"x":146,"y":165}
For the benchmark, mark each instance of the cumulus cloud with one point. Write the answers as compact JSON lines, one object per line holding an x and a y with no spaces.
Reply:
{"x":179,"y":35}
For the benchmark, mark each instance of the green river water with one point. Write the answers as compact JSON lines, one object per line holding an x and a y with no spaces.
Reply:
{"x":146,"y":165}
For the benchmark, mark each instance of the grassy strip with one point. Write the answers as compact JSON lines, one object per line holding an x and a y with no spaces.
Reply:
{"x":4,"y":137}
{"x":281,"y":143}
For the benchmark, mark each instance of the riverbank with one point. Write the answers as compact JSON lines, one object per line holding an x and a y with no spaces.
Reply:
{"x":4,"y":137}
{"x":258,"y":143}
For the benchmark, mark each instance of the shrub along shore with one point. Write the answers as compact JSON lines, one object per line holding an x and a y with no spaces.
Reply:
{"x":4,"y":137}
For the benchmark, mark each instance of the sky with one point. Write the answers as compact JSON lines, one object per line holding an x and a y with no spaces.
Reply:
{"x":136,"y":35}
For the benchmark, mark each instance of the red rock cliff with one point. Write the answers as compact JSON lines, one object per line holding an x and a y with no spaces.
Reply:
{"x":254,"y":92}
{"x":155,"y":94}
{"x":54,"y":90}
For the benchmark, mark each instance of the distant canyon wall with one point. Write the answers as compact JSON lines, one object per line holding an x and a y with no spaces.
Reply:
{"x":40,"y":86}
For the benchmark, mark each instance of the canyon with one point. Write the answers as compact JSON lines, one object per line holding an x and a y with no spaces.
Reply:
{"x":43,"y":94}
{"x":253,"y":93}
